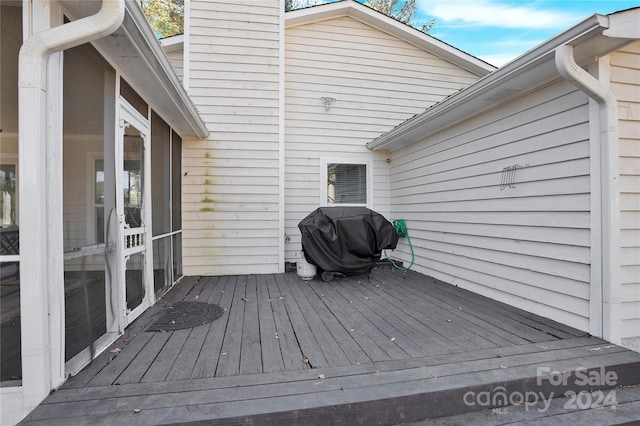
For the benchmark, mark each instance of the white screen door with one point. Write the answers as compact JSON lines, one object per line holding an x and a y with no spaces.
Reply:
{"x":133,"y":205}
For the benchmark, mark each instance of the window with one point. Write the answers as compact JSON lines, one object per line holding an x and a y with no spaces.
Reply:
{"x":346,"y":183}
{"x":8,"y":194}
{"x":132,"y":184}
{"x":98,"y":195}
{"x":10,"y":332}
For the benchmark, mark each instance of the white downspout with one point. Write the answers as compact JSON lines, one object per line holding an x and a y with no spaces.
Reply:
{"x":32,"y":122}
{"x":281,"y":142}
{"x":610,"y":210}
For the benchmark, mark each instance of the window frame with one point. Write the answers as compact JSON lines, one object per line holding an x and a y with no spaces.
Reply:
{"x":92,"y":217}
{"x":324,"y":164}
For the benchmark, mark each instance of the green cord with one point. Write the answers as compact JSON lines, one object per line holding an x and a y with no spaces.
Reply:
{"x":401,"y":229}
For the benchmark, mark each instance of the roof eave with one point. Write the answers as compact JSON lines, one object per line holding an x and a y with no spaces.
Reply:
{"x":156,"y":56}
{"x":474,"y":98}
{"x":146,"y":67}
{"x":391,"y":26}
{"x":172,"y":43}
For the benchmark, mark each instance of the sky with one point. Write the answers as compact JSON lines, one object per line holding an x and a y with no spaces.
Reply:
{"x":498,"y":31}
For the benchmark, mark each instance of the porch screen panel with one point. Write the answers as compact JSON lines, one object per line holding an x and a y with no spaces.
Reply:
{"x":134,"y":277}
{"x":162,"y":265}
{"x":176,"y":172}
{"x":177,"y":256}
{"x":10,"y":340}
{"x":161,"y":203}
{"x":88,"y":198}
{"x":84,"y":296}
{"x":160,"y":175}
{"x":135,"y":100}
{"x":176,"y":203}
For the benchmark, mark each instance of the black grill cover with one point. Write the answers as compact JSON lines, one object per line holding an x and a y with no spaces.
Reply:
{"x":348,"y":240}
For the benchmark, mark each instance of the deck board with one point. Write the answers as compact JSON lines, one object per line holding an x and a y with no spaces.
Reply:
{"x":501,"y":332}
{"x":536,"y":322}
{"x":449,"y":325}
{"x":331,"y":350}
{"x":250,"y":356}
{"x":378,"y":348}
{"x":397,"y":332}
{"x":376,"y":344}
{"x":269,"y":346}
{"x":306,"y":339}
{"x":463,"y":316}
{"x":183,"y":287}
{"x":432,"y":336}
{"x":434,"y":376}
{"x":99,"y":392}
{"x":352,"y":350}
{"x":207,"y":361}
{"x":273,"y":322}
{"x":190,"y":351}
{"x":208,"y":291}
{"x":110,"y":373}
{"x":452,"y":310}
{"x":229,"y":357}
{"x":161,"y":366}
{"x":528,"y":318}
{"x":292,"y":356}
{"x":359,"y":389}
{"x":140,"y":364}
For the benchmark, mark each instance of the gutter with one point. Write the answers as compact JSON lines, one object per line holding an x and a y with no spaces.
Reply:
{"x":423,"y":125}
{"x":34,"y":215}
{"x":610,"y":205}
{"x":145,"y":38}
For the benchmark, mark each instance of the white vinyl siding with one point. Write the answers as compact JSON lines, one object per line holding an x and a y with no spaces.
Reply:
{"x":527,"y":245}
{"x":625,"y":82}
{"x":377,"y":80}
{"x":230,"y":183}
{"x":176,"y":58}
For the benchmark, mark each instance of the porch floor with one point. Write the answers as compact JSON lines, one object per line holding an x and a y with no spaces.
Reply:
{"x":384,"y":349}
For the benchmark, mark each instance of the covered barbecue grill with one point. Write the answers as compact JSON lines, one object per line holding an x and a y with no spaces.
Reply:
{"x":346,"y":240}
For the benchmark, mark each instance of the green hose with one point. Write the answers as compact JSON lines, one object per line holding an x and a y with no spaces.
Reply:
{"x":401,"y":229}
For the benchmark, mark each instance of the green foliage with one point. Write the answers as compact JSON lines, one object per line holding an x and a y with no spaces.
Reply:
{"x":401,"y":10}
{"x":299,"y":4}
{"x":165,"y":16}
{"x":291,"y":5}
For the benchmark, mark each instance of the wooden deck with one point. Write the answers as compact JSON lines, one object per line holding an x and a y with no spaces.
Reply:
{"x":381,"y":350}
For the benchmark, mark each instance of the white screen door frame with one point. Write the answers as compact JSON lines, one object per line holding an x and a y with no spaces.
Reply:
{"x":133,"y":209}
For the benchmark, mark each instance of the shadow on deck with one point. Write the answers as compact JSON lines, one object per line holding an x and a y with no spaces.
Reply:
{"x":381,"y":350}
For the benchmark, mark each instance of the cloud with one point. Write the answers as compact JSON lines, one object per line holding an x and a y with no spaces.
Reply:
{"x":499,"y":59}
{"x":500,"y":51}
{"x":522,"y":44}
{"x":492,"y":13}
